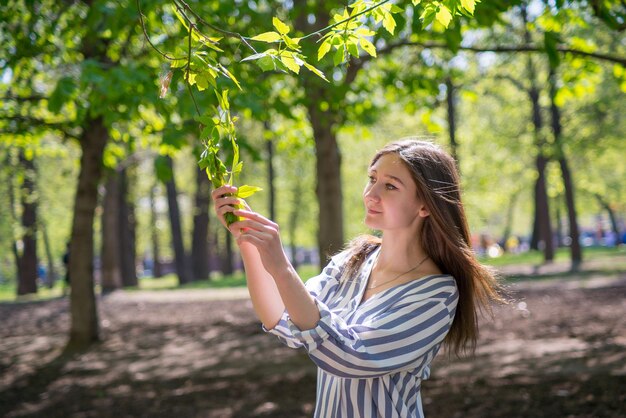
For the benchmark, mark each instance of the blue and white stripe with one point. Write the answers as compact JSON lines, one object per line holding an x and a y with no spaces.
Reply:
{"x":372,"y":356}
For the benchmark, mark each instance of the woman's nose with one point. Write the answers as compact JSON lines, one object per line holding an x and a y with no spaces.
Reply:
{"x":371,"y":193}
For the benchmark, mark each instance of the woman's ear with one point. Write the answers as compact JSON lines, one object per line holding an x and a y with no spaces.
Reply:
{"x":423,"y":212}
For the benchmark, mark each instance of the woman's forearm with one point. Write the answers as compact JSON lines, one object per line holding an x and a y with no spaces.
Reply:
{"x":303,"y":310}
{"x":266,"y":299}
{"x":272,"y":295}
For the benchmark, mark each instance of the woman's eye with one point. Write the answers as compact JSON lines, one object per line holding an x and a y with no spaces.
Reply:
{"x":371,"y":179}
{"x":390,"y":186}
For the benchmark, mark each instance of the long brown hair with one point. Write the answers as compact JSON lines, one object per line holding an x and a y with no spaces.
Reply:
{"x":444,"y":235}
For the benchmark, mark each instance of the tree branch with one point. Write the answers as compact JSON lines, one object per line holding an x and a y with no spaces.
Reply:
{"x":24,"y":99}
{"x":504,"y":48}
{"x":62,"y":127}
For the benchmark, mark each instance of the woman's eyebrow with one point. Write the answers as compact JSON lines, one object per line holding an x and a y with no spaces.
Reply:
{"x":394,"y":178}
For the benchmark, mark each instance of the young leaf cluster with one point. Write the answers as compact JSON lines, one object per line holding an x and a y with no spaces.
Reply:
{"x":286,"y":56}
{"x":219,"y":137}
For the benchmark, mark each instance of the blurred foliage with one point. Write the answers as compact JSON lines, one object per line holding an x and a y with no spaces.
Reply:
{"x":49,"y":89}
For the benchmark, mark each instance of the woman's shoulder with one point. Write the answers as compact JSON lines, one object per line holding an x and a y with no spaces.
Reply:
{"x":434,"y":286}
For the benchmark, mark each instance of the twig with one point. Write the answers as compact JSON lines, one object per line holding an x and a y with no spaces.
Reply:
{"x":345,"y":20}
{"x":145,"y":32}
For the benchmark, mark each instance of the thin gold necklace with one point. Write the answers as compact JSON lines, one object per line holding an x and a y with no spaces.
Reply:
{"x":398,"y":276}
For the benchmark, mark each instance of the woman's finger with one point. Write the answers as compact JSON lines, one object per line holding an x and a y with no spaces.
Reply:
{"x":248,"y":214}
{"x":223,"y":190}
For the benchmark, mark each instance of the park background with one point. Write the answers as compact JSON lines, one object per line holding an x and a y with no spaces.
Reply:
{"x":528,"y":96}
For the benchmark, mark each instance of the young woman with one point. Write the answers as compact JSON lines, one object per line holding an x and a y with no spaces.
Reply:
{"x":377,"y":315}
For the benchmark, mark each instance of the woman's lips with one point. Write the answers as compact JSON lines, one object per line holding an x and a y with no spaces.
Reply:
{"x":372,"y":212}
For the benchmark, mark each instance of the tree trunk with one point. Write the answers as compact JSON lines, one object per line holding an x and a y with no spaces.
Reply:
{"x":269,"y":143}
{"x":84,"y":328}
{"x":568,"y":183}
{"x":154,"y":233}
{"x":328,"y":188}
{"x":509,"y":220}
{"x":182,"y":268}
{"x":111,"y":263}
{"x":451,"y":102}
{"x":227,"y":255}
{"x":51,"y":275}
{"x":559,"y":225}
{"x":127,"y":228}
{"x":612,"y":218}
{"x":293,"y":221}
{"x":542,"y":211}
{"x":12,"y":204}
{"x":27,"y":279}
{"x":200,"y":233}
{"x":542,"y":230}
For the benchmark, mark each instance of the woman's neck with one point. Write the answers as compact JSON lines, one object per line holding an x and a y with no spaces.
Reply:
{"x":399,"y":252}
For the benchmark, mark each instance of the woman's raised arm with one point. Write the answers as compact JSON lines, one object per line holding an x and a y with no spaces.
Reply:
{"x":272,"y":281}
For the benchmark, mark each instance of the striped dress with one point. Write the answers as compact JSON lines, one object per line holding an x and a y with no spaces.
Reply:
{"x":372,"y":356}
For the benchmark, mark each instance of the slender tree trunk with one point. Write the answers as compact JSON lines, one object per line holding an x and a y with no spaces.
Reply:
{"x":27,"y":279}
{"x":451,"y":102}
{"x":509,"y":220}
{"x":127,"y":225}
{"x":269,"y":145}
{"x":51,"y":275}
{"x":200,"y":233}
{"x":542,"y":229}
{"x":182,"y":267}
{"x":328,"y":188}
{"x":293,"y":221}
{"x":612,"y":218}
{"x":84,"y":328}
{"x":568,"y":182}
{"x":12,"y":203}
{"x":559,"y":224}
{"x":154,"y":234}
{"x":227,"y":255}
{"x":544,"y":226}
{"x":111,"y":263}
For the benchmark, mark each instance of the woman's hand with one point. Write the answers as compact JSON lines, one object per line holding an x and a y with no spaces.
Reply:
{"x":257,"y":230}
{"x":224,"y":201}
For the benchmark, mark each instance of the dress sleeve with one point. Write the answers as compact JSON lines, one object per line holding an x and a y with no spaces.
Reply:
{"x":404,"y":337}
{"x":320,"y":287}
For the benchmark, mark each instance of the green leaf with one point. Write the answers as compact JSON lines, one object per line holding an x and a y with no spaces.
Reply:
{"x":443,"y":16}
{"x":290,"y":62}
{"x":368,"y":47}
{"x":266,"y":63}
{"x":551,"y":41}
{"x":229,"y":75}
{"x":202,"y":81}
{"x":315,"y":71}
{"x":280,"y":26}
{"x":468,"y":5}
{"x":63,"y":93}
{"x":247,"y":191}
{"x":339,"y":55}
{"x":268,"y":37}
{"x":353,"y":49}
{"x":255,"y":57}
{"x":180,"y":17}
{"x":324,"y":48}
{"x":292,"y":43}
{"x":389,"y":23}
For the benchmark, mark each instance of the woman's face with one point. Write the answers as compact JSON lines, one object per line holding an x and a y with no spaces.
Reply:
{"x":390,"y":196}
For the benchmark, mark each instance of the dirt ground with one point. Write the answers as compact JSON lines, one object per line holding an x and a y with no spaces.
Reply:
{"x":558,"y":350}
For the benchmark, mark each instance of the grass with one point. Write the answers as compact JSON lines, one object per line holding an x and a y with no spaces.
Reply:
{"x":561,"y":254}
{"x":170,"y":281}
